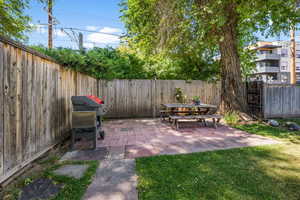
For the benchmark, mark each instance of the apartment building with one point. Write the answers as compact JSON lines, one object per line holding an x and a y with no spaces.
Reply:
{"x":273,"y":62}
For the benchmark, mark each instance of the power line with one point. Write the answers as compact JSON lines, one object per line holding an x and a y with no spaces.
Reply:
{"x":83,"y":30}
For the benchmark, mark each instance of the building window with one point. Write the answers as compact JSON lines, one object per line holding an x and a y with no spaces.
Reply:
{"x":284,"y":66}
{"x":298,"y":53}
{"x":272,"y":77}
{"x":269,"y":63}
{"x":284,"y":52}
{"x":298,"y":66}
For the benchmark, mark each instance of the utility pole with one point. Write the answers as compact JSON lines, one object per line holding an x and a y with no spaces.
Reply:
{"x":293,"y":56}
{"x":50,"y":24}
{"x":80,"y":41}
{"x":293,"y":77}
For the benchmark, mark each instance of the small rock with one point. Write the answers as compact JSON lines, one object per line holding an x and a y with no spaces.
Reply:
{"x":292,"y":126}
{"x":273,"y":123}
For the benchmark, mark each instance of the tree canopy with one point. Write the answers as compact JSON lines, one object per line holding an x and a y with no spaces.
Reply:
{"x":13,"y":21}
{"x":201,"y":29}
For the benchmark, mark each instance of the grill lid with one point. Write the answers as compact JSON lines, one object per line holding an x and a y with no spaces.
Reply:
{"x":90,"y":100}
{"x":96,"y":99}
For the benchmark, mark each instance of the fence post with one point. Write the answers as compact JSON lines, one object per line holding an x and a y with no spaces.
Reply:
{"x":153,"y":97}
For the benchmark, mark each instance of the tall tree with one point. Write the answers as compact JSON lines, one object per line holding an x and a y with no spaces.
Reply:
{"x":13,"y":21}
{"x":169,"y":26}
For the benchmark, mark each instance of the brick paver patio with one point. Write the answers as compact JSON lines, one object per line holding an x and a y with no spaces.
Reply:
{"x":147,"y":137}
{"x":131,"y":138}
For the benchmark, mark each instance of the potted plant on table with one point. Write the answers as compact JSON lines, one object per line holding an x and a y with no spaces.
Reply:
{"x":196,"y":100}
{"x":181,"y":98}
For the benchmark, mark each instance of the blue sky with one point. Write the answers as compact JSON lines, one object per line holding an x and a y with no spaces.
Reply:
{"x":93,"y":15}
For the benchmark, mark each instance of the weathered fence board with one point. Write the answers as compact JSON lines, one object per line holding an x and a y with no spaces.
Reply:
{"x":1,"y":107}
{"x":35,"y":102}
{"x":281,"y":101}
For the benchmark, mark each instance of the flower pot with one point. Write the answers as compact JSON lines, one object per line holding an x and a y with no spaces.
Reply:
{"x":196,"y":102}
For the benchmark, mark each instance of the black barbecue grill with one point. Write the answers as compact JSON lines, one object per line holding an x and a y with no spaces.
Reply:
{"x":87,"y":118}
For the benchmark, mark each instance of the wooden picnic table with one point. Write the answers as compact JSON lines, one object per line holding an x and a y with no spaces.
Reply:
{"x":184,"y":105}
{"x":176,"y":108}
{"x":201,"y":112}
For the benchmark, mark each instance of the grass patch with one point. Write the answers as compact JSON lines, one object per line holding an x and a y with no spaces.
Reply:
{"x":73,"y":188}
{"x":276,"y":132}
{"x":271,"y":172}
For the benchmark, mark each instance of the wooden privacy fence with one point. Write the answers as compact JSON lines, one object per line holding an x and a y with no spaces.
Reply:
{"x":281,"y":101}
{"x":35,"y":105}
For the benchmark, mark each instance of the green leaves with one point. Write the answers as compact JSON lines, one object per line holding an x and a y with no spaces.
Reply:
{"x":13,"y":22}
{"x":101,"y":63}
{"x":193,"y":28}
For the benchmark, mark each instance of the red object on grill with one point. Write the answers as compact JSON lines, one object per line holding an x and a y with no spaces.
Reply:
{"x":96,"y":99}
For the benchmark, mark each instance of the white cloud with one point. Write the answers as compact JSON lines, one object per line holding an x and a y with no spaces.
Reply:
{"x":92,"y":28}
{"x":103,"y":36}
{"x":110,"y":30}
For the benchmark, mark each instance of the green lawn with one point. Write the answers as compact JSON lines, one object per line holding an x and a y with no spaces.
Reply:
{"x":266,"y":173}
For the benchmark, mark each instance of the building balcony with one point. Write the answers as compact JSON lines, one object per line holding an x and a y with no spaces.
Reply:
{"x":267,"y":56}
{"x":268,"y":69}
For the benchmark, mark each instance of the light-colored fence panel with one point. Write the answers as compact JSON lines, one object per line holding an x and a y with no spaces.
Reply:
{"x":143,"y":98}
{"x":86,"y":85}
{"x":281,"y":101}
{"x":127,"y":98}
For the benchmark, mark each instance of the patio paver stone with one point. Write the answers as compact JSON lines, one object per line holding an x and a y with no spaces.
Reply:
{"x":75,"y":171}
{"x":114,"y":180}
{"x":98,"y":154}
{"x":40,"y":189}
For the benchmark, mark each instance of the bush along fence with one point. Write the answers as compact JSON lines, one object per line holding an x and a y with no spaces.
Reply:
{"x":35,"y":102}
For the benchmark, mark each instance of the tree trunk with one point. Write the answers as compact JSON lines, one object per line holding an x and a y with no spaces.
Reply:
{"x":233,"y":89}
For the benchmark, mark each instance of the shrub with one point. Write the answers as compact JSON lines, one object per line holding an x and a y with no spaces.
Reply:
{"x":231,"y":118}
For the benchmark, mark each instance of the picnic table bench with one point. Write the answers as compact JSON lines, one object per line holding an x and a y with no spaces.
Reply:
{"x":176,"y":118}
